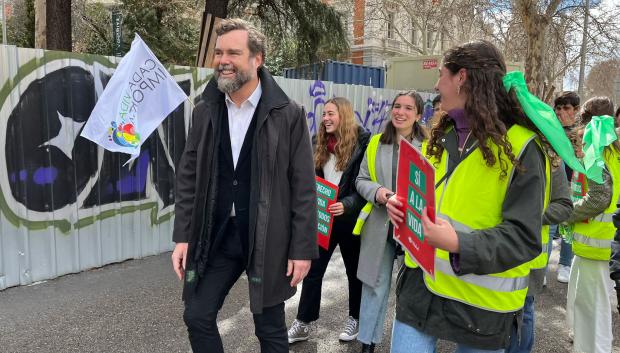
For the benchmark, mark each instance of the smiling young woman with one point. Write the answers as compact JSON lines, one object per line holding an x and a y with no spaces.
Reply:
{"x":490,"y":188}
{"x":339,"y":150}
{"x":376,"y":182}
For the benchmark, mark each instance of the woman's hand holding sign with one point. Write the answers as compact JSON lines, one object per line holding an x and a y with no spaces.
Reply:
{"x":394,"y":210}
{"x":440,"y":234}
{"x":337,"y":209}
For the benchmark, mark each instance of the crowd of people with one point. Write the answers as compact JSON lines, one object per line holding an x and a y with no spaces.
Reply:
{"x":246,"y":202}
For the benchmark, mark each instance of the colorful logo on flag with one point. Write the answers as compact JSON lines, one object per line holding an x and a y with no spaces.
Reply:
{"x":124,"y":134}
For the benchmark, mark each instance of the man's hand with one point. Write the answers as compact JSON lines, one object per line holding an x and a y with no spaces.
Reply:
{"x":299,"y":269}
{"x":179,"y":256}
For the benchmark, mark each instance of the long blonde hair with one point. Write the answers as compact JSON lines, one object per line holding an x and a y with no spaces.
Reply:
{"x":346,"y":135}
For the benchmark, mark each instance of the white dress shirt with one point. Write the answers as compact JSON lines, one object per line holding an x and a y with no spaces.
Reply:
{"x":239,"y":119}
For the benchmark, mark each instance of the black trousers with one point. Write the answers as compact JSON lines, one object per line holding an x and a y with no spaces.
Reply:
{"x":310,"y":300}
{"x":200,"y":316}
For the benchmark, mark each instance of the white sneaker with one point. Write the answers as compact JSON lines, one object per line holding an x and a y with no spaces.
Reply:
{"x":545,"y":281}
{"x":563,"y":273}
{"x":351,"y":329}
{"x":299,"y":331}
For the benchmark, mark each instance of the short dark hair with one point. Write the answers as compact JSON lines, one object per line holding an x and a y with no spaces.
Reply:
{"x":567,"y":98}
{"x":256,"y":40}
{"x":595,"y":106}
{"x":436,"y":100}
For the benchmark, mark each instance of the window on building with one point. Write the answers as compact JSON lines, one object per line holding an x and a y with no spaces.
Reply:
{"x":390,"y":25}
{"x":430,"y":38}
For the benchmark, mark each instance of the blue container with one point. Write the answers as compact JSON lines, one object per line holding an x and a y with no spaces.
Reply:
{"x":339,"y":72}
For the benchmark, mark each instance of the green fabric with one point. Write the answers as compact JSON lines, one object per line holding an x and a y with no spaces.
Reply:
{"x":543,"y":116}
{"x":599,"y":133}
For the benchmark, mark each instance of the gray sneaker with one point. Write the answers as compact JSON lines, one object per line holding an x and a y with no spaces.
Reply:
{"x":351,"y":329}
{"x":299,"y":331}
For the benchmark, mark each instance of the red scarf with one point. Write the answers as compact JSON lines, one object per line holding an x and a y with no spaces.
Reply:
{"x":331,"y":143}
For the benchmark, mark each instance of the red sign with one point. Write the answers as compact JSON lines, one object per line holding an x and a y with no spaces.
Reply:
{"x":326,"y":195}
{"x":415,"y":187}
{"x":429,"y":64}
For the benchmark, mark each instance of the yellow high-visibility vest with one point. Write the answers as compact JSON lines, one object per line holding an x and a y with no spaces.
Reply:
{"x":592,"y":239}
{"x":468,"y":206}
{"x":371,"y":156}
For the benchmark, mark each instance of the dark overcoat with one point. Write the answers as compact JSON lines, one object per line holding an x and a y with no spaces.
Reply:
{"x":282,"y":220}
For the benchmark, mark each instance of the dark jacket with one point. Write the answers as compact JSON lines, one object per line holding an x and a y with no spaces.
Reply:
{"x":282,"y":219}
{"x":515,"y":241}
{"x":347,"y":193}
{"x":559,"y":210}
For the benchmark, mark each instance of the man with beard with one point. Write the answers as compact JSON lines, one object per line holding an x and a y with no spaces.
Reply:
{"x":246,"y":198}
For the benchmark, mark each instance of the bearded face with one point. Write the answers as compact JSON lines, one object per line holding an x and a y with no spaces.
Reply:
{"x":233,"y":62}
{"x":230,"y":78}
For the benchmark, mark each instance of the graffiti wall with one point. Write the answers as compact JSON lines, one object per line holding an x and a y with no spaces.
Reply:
{"x":67,"y":205}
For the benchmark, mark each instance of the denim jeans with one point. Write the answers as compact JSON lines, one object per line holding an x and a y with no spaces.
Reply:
{"x":406,"y":339}
{"x":375,"y":299}
{"x":552,"y":231}
{"x":566,"y":253}
{"x":522,"y":342}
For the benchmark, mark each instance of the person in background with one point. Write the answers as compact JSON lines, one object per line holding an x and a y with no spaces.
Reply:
{"x":614,"y":262}
{"x":588,"y":309}
{"x":559,"y":210}
{"x":339,"y":149}
{"x":490,"y":182}
{"x":566,"y":107}
{"x":437,"y":113}
{"x":376,"y":182}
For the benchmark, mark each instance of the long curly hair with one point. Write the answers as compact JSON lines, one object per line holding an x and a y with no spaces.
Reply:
{"x":346,"y":134}
{"x":490,"y":109}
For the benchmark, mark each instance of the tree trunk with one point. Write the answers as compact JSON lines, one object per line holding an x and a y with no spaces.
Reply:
{"x":58,"y":14}
{"x":218,"y":8}
{"x":53,"y":24}
{"x":39,"y":24}
{"x":534,"y":61}
{"x":535,"y":26}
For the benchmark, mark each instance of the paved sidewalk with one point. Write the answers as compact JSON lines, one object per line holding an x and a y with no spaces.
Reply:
{"x":135,"y":306}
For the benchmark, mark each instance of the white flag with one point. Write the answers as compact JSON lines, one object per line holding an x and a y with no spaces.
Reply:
{"x":138,"y":97}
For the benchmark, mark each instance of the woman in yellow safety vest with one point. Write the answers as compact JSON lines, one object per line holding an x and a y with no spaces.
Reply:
{"x":490,"y":196}
{"x":588,"y":310}
{"x":376,"y":182}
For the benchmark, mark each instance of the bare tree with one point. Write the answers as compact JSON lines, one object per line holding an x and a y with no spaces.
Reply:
{"x":425,"y":27}
{"x":547,"y":35}
{"x":602,"y":79}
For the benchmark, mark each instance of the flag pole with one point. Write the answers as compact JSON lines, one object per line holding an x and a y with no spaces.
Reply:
{"x":191,"y":103}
